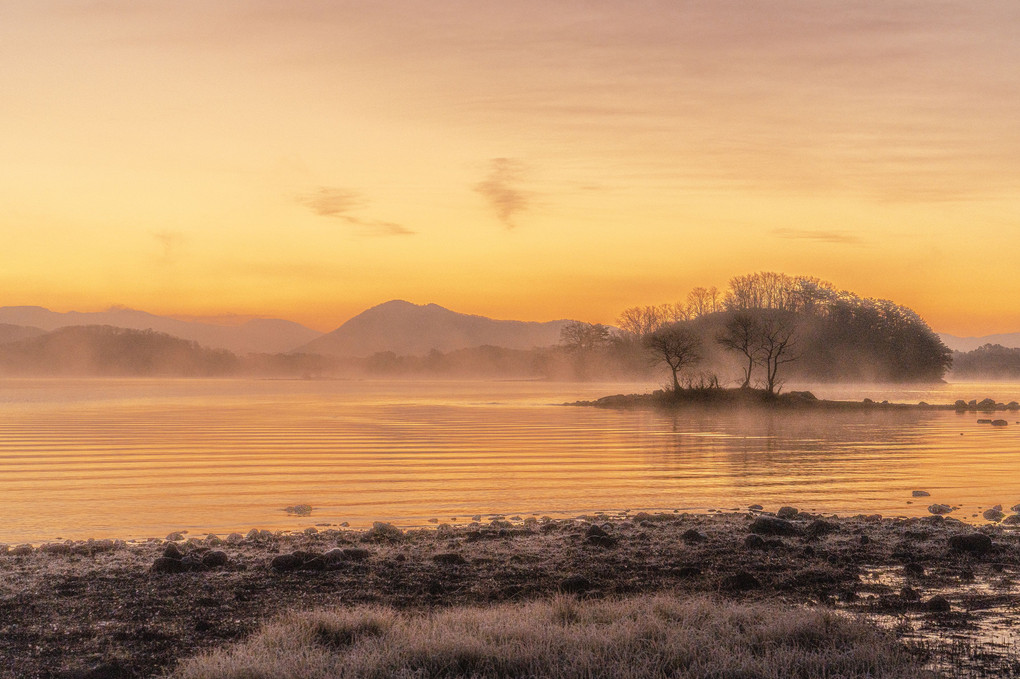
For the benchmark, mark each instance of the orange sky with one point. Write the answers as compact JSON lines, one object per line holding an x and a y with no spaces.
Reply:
{"x":526,"y":159}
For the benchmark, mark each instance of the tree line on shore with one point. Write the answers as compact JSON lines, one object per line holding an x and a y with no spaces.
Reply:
{"x":763,"y":329}
{"x":767,"y":327}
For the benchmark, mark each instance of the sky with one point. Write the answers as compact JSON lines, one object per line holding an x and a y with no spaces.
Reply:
{"x":532,"y":160}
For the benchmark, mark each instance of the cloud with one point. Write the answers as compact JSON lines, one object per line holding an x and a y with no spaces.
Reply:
{"x":502,"y":189}
{"x":338,"y":203}
{"x":170,"y":242}
{"x":840,"y":237}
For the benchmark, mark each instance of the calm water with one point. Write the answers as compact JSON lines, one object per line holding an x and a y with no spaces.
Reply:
{"x":138,"y":458}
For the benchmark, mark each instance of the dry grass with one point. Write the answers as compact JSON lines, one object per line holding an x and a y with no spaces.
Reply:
{"x":646,"y":637}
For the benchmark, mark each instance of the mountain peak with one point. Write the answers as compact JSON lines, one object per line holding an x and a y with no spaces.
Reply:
{"x":416,"y":329}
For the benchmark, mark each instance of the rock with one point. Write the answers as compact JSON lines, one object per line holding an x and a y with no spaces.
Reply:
{"x":984,"y":421}
{"x":1013,"y":405}
{"x":939,"y":509}
{"x":596,"y":531}
{"x":987,"y":403}
{"x":1012,"y":520}
{"x":787,"y":512}
{"x":299,"y":510}
{"x":603,"y":541}
{"x":450,"y":559}
{"x":767,"y":525}
{"x":937,"y":604}
{"x":175,"y":536}
{"x":864,"y":540}
{"x":920,"y":493}
{"x":56,"y":548}
{"x":961,"y":404}
{"x":575,"y":584}
{"x":820,"y":527}
{"x":993,"y":514}
{"x":972,"y":543}
{"x":741,"y":581}
{"x":286,"y":562}
{"x":754,"y":542}
{"x":253,"y":534}
{"x":234,"y":538}
{"x":167,"y":565}
{"x":21,"y":550}
{"x":755,"y":508}
{"x":913,"y":570}
{"x":910,"y":594}
{"x":311,"y":530}
{"x":381,"y":530}
{"x":192,"y":562}
{"x":215,"y":559}
{"x":1015,"y":508}
{"x":1000,"y":423}
{"x":691,"y":535}
{"x":172,"y":551}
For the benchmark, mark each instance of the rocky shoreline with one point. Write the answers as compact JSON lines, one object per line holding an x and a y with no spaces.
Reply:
{"x":111,"y":609}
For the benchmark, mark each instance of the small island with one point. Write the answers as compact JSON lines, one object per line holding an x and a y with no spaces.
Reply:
{"x":720,"y":397}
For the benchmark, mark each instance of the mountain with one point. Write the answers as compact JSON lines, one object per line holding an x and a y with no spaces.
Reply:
{"x":1008,"y":340}
{"x":412,"y":329}
{"x":254,"y":336}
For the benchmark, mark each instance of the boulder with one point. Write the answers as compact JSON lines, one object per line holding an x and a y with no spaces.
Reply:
{"x":755,"y":508}
{"x":21,"y":550}
{"x":167,"y":565}
{"x":286,"y":562}
{"x":787,"y":512}
{"x":1012,"y":520}
{"x":937,"y":604}
{"x":1000,"y":423}
{"x":692,"y":535}
{"x":920,"y":493}
{"x":993,"y":514}
{"x":215,"y":559}
{"x":175,"y":536}
{"x":939,"y":509}
{"x":56,"y":548}
{"x":767,"y":525}
{"x":172,"y":551}
{"x":754,"y":542}
{"x":972,"y":543}
{"x":820,"y":527}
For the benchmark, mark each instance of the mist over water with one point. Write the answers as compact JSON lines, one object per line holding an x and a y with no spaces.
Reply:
{"x":139,"y":458}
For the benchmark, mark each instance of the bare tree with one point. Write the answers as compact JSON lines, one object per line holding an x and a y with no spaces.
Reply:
{"x":578,"y":336}
{"x":776,"y":343}
{"x":701,"y":301}
{"x":741,"y":333}
{"x":678,"y":346}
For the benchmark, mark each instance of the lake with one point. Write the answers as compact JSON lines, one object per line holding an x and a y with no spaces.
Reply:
{"x":142,"y":458}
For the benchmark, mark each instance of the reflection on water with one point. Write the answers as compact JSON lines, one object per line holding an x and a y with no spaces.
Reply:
{"x":140,"y":458}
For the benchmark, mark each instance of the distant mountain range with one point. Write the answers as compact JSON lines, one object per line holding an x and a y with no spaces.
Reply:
{"x":1009,"y":340}
{"x":411,"y":329}
{"x":260,"y":335}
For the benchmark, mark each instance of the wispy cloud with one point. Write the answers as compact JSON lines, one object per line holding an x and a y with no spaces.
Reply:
{"x":338,"y":203}
{"x":502,"y":189}
{"x":839,"y":237}
{"x":170,"y":243}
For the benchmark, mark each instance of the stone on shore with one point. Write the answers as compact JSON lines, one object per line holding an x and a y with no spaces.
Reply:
{"x":937,"y":604}
{"x":939,"y":509}
{"x":767,"y":525}
{"x":920,"y":493}
{"x":993,"y":514}
{"x":787,"y":512}
{"x":972,"y":543}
